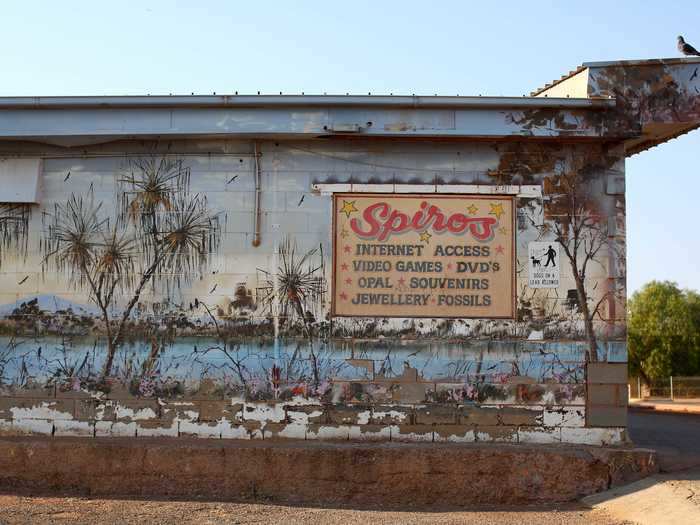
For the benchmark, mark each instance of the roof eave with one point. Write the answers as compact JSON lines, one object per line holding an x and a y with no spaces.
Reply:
{"x":276,"y":101}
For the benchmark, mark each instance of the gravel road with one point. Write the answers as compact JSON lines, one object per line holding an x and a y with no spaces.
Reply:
{"x":43,"y":510}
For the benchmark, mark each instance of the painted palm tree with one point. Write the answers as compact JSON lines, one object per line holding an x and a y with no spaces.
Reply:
{"x":162,"y":232}
{"x":14,"y":226}
{"x":295,"y":284}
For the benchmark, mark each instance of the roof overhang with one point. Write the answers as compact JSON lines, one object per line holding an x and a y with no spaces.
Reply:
{"x":659,"y":98}
{"x":86,"y":120}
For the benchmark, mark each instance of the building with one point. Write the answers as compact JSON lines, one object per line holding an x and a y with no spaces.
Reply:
{"x":326,"y":267}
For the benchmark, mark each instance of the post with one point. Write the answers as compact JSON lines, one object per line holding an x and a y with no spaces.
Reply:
{"x":639,"y":387}
{"x":671,"y":388}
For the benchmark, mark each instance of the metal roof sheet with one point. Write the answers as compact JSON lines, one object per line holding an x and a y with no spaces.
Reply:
{"x":253,"y":101}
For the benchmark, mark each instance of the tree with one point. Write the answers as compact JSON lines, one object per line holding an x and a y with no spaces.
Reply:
{"x":663,"y":331}
{"x":582,"y":233}
{"x":161,"y":234}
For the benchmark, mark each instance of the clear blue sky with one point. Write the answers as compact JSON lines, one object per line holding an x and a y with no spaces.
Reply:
{"x":466,"y":48}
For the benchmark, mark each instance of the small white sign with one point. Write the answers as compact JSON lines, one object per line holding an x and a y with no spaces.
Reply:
{"x":543,"y":264}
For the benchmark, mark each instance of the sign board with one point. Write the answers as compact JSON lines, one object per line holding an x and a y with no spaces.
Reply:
{"x":543,"y":264}
{"x":408,"y":255}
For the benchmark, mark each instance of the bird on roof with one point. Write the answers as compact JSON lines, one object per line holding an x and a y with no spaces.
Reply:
{"x":686,"y":48}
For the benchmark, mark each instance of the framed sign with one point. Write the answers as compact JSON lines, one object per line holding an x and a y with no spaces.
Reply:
{"x":434,"y":255}
{"x":543,"y":264}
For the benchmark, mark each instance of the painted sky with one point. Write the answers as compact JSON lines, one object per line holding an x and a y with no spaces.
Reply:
{"x":367,"y":46}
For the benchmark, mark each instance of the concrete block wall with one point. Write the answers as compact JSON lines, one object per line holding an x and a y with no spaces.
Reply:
{"x":54,"y":413}
{"x":522,"y":380}
{"x":606,"y":402}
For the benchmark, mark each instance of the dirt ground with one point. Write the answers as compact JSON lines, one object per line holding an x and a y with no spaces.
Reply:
{"x":45,"y":510}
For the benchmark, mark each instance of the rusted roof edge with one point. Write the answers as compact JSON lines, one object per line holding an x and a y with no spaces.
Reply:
{"x":276,"y":101}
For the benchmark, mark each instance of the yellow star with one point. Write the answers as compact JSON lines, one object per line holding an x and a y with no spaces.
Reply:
{"x":497,"y":210}
{"x":348,"y":207}
{"x":502,"y":231}
{"x":472,"y":209}
{"x":344,"y":233}
{"x":425,"y":237}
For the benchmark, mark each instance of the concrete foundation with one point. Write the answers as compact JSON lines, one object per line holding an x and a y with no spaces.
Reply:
{"x":357,"y":474}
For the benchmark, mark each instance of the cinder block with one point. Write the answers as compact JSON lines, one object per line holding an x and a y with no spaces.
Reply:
{"x":180,"y":411}
{"x":328,"y":432}
{"x":539,"y":435}
{"x":615,"y":373}
{"x":370,"y":433}
{"x":520,"y":416}
{"x":35,"y":408}
{"x":74,"y":428}
{"x":606,"y":416}
{"x":411,"y":392}
{"x":254,"y":428}
{"x":114,"y":429}
{"x":84,"y":409}
{"x":127,"y":410}
{"x":312,"y":203}
{"x":286,"y":222}
{"x":234,"y":431}
{"x":32,"y":426}
{"x":412,"y":433}
{"x":284,"y":431}
{"x":239,"y":222}
{"x":593,"y":436}
{"x":238,"y":200}
{"x":454,"y":433}
{"x":217,"y":410}
{"x":287,"y":180}
{"x":244,"y":182}
{"x":391,"y":415}
{"x":613,"y":395}
{"x":267,"y":412}
{"x":275,"y":201}
{"x":304,"y":414}
{"x":499,"y":434}
{"x":157,"y":428}
{"x":475,"y":415}
{"x":73,"y":394}
{"x":348,"y":414}
{"x":436,"y":415}
{"x":355,"y":391}
{"x":200,"y":430}
{"x":564,"y":417}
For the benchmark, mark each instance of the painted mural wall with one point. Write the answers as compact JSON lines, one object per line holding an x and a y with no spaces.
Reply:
{"x":136,"y":300}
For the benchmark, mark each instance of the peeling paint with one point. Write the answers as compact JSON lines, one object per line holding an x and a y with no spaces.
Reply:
{"x":198,"y":355}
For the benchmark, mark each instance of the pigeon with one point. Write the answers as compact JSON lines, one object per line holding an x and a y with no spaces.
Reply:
{"x":686,"y":49}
